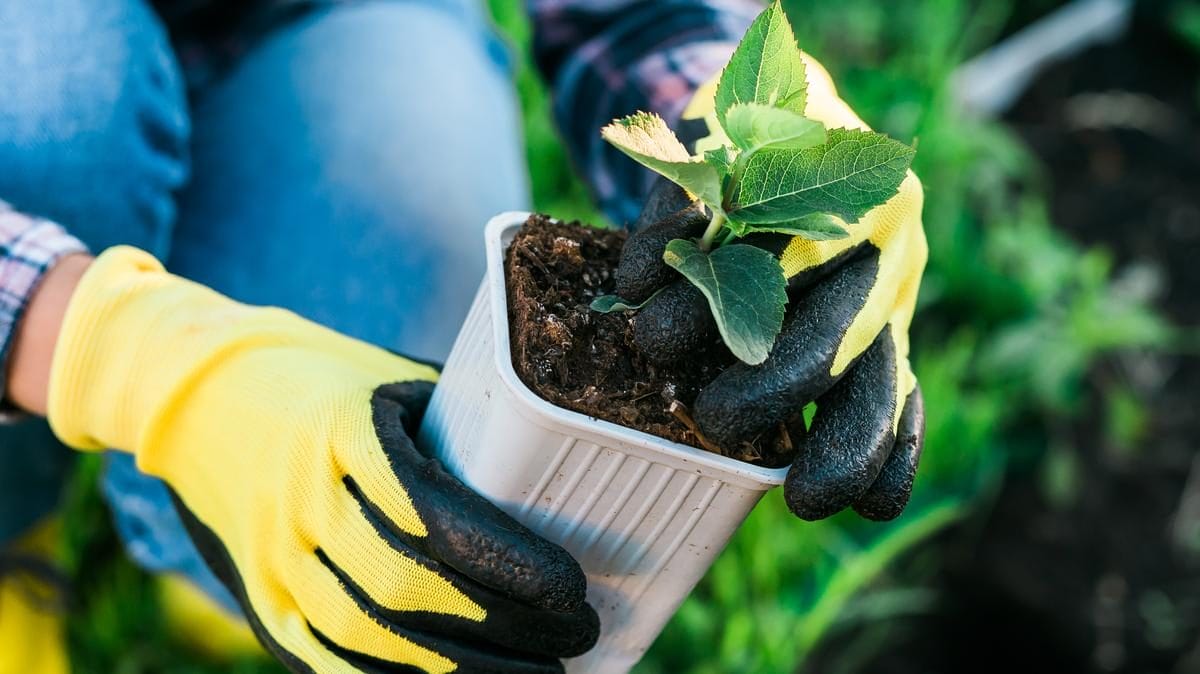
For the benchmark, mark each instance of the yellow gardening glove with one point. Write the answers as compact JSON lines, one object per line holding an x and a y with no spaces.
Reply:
{"x":31,"y":607}
{"x":844,"y":343}
{"x":286,"y":446}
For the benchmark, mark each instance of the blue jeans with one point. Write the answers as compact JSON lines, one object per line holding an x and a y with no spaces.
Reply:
{"x":343,"y":168}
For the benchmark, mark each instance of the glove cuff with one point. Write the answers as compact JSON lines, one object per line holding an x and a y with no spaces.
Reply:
{"x":131,"y":335}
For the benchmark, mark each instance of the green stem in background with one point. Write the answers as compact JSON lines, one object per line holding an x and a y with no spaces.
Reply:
{"x":710,"y":234}
{"x":856,"y":571}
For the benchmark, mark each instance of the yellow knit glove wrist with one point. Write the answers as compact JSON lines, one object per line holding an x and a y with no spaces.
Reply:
{"x":134,"y":335}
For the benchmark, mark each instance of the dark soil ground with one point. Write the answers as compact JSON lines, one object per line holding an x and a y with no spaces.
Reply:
{"x":586,"y":361}
{"x":1117,"y":575}
{"x":1110,"y":582}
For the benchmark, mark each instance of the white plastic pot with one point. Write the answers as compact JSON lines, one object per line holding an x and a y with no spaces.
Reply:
{"x":644,"y":516}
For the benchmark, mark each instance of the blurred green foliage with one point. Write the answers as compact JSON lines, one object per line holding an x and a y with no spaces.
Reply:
{"x":1184,"y":18}
{"x":1012,"y":317}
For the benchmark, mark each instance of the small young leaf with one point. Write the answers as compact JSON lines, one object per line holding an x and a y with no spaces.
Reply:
{"x":737,"y":227}
{"x":648,"y":134}
{"x":849,"y":175}
{"x":721,"y":159}
{"x":745,"y":289}
{"x":607,"y":304}
{"x":816,"y":227}
{"x":648,"y":140}
{"x":754,"y":126}
{"x":765,"y":68}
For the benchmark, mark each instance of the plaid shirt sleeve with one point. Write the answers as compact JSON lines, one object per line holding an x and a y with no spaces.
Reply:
{"x":608,"y":58}
{"x":28,"y":248}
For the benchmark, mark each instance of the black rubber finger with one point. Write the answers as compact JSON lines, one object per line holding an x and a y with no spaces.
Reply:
{"x":850,"y":438}
{"x":664,"y":199}
{"x":469,"y":660}
{"x":888,"y":495}
{"x":675,"y":324}
{"x":468,"y":533}
{"x":642,"y":269}
{"x":691,"y":131}
{"x":509,"y":624}
{"x":746,"y":401}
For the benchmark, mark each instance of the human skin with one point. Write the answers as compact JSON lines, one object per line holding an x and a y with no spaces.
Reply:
{"x":37,"y":334}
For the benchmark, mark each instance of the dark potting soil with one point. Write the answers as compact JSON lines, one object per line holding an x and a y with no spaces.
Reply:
{"x":586,"y":361}
{"x":1117,"y":569}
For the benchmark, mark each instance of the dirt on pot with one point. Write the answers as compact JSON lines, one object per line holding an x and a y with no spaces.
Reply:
{"x":586,"y":361}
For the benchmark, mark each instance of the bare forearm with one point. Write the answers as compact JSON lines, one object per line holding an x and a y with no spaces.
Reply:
{"x":33,"y":346}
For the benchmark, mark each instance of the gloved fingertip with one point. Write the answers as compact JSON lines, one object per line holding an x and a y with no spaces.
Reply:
{"x":642,"y":270}
{"x":585,"y":634}
{"x":665,"y":198}
{"x":850,"y":439}
{"x":484,"y":543}
{"x":476,"y":538}
{"x":813,"y":505}
{"x":889,"y":494}
{"x":674,"y":325}
{"x":746,"y":401}
{"x":556,"y":581}
{"x":881,"y":506}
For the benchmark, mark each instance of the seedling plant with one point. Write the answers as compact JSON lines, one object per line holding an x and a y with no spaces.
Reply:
{"x":765,"y":167}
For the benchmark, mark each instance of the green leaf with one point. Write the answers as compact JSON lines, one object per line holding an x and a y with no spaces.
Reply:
{"x":737,"y":227}
{"x":607,"y":304}
{"x":648,"y":140}
{"x":754,"y":126}
{"x":721,"y":159}
{"x":745,"y":289}
{"x":817,"y":227}
{"x":765,"y":68}
{"x":849,"y":175}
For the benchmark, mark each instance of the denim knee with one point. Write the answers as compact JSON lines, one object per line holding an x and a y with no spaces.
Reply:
{"x":94,"y":126}
{"x":393,"y":134}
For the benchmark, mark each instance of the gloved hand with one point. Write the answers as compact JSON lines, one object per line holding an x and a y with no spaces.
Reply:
{"x":286,"y":445}
{"x":844,"y":342}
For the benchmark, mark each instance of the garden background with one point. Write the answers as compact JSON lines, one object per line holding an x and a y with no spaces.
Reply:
{"x":1056,"y":517}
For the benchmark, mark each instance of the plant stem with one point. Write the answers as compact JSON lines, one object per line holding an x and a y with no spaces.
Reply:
{"x":714,"y":227}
